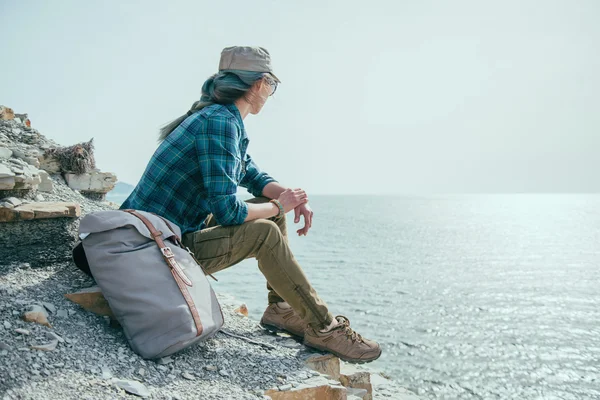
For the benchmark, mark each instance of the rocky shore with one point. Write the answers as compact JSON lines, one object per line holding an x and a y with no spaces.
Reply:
{"x":53,"y":348}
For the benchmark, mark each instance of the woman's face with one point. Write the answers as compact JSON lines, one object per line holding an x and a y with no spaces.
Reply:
{"x":260,"y":93}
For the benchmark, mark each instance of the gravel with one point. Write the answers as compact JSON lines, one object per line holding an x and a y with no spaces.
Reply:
{"x":93,"y":358}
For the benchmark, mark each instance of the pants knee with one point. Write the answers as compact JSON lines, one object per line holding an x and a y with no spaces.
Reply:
{"x":265,"y":230}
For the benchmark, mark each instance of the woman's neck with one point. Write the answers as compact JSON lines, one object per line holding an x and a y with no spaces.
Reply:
{"x":243,"y":107}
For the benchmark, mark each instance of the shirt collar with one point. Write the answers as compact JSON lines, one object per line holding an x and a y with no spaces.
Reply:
{"x":234,"y":110}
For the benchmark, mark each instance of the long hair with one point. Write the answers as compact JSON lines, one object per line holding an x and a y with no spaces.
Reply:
{"x":224,"y":87}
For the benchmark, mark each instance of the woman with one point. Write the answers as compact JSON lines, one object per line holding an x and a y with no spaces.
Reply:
{"x":192,"y":180}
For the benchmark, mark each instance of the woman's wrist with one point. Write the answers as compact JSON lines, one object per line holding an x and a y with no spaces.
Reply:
{"x":278,"y":207}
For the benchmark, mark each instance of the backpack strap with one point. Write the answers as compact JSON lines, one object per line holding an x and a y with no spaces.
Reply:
{"x":180,"y":243}
{"x":165,"y":250}
{"x":180,"y":278}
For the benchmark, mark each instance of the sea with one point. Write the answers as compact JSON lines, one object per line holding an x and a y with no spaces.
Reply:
{"x":470,"y":296}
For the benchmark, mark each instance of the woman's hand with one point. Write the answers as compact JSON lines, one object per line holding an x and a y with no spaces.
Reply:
{"x":304,"y":210}
{"x":291,"y":199}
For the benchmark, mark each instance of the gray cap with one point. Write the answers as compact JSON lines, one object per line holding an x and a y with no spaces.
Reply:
{"x":246,"y":58}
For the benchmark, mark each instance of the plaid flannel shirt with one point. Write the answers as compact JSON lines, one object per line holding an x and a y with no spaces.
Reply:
{"x":196,"y":171}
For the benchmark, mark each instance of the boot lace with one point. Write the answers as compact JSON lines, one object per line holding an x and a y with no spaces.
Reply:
{"x":345,"y":322}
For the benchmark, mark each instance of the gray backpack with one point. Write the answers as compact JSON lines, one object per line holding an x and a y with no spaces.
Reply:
{"x":155,"y":287}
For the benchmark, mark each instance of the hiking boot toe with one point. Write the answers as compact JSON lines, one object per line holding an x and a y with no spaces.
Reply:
{"x":342,"y":341}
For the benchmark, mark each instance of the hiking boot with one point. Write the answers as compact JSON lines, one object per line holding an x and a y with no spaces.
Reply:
{"x":280,"y":318}
{"x":342,"y":341}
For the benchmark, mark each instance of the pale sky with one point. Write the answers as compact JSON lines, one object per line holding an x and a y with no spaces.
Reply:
{"x":394,"y":96}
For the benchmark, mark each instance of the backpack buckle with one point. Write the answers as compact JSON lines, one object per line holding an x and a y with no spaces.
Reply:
{"x":166,"y":251}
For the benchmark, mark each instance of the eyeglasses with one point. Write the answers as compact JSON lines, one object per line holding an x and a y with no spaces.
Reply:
{"x":273,"y":84}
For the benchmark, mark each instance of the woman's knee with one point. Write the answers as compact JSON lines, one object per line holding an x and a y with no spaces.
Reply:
{"x":264,"y":229}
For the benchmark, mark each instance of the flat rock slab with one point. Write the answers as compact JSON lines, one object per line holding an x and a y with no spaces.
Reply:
{"x":32,"y":211}
{"x":92,"y":300}
{"x":324,"y":392}
{"x":101,"y":182}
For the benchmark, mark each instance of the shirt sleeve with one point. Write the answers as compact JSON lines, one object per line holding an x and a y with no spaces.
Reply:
{"x":217,"y":149}
{"x":255,"y":180}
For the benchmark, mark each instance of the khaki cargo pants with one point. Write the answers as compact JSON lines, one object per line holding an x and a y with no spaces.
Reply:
{"x":219,"y":247}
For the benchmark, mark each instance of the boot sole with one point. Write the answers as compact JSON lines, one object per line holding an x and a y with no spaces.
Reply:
{"x":276,"y":329}
{"x":343,"y":357}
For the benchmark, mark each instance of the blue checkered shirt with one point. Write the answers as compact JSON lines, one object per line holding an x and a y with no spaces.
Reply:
{"x":196,"y":171}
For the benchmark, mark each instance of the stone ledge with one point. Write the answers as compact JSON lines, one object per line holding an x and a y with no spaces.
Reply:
{"x":38,"y":242}
{"x":99,"y":182}
{"x":33,"y":211}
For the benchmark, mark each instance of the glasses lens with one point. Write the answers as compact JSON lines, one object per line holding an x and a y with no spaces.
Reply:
{"x":273,"y":84}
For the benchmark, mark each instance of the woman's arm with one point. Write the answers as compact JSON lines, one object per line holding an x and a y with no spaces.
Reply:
{"x":261,"y":210}
{"x":289,"y":199}
{"x":273,"y":190}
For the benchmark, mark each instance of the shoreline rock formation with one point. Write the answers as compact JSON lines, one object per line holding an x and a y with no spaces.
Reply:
{"x":44,"y":188}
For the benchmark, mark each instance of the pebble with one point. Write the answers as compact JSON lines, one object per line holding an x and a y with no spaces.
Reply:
{"x":50,"y":307}
{"x":133,"y":387}
{"x":7,"y":325}
{"x":283,"y":388}
{"x":210,"y":368}
{"x":23,"y":331}
{"x":54,"y":336}
{"x":188,"y":376}
{"x":164,"y":361}
{"x":46,"y":347}
{"x":62,"y":313}
{"x":224,"y":372}
{"x":141,"y":372}
{"x":106,"y":372}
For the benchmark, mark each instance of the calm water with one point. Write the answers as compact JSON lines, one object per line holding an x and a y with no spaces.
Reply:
{"x":474,"y":296}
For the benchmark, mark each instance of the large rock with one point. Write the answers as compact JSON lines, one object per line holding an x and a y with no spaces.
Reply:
{"x":99,"y":182}
{"x":327,"y":364}
{"x":352,"y":377}
{"x":39,"y":211}
{"x":323,"y":392}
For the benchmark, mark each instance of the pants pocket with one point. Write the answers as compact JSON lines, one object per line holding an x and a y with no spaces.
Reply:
{"x":212,"y":243}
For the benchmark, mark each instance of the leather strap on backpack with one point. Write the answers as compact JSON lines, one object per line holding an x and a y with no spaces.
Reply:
{"x":165,"y":250}
{"x":180,"y":243}
{"x":180,"y":278}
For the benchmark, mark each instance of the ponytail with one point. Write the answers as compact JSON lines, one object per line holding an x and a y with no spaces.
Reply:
{"x":225,"y":87}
